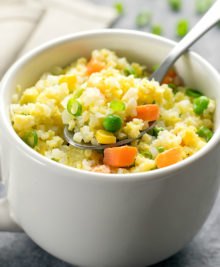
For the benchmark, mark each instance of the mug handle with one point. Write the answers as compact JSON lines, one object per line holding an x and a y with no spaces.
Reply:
{"x":6,"y":221}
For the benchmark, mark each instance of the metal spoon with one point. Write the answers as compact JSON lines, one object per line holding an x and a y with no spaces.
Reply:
{"x":207,"y":22}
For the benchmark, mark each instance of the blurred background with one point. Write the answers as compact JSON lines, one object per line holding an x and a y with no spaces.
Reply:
{"x":25,"y":24}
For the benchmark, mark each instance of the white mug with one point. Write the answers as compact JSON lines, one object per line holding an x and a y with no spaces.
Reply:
{"x":105,"y":220}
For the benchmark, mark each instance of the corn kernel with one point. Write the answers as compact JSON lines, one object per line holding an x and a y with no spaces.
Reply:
{"x":104,"y":137}
{"x":70,"y":80}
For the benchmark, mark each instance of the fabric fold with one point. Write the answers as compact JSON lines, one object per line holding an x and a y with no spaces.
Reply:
{"x":27,"y":24}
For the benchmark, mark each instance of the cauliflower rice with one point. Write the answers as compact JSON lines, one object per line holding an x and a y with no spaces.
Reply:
{"x":40,"y":113}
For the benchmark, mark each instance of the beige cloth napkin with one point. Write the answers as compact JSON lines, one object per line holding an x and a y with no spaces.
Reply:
{"x":25,"y":24}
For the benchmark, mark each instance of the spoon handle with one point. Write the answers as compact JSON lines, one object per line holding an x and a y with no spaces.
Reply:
{"x":204,"y":24}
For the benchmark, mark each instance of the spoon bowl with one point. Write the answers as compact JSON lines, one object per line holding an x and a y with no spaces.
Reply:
{"x":69,"y":137}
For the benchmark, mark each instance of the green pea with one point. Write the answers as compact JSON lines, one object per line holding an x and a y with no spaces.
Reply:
{"x":200,"y":104}
{"x":182,"y":27}
{"x":156,"y":131}
{"x":203,"y":5}
{"x":205,"y":133}
{"x":175,"y":4}
{"x":193,"y":93}
{"x":143,"y":18}
{"x":157,"y":29}
{"x":119,"y":8}
{"x":147,"y":154}
{"x":112,"y":123}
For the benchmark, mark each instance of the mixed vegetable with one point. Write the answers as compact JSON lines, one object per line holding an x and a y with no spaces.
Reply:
{"x":105,"y":100}
{"x":124,"y":156}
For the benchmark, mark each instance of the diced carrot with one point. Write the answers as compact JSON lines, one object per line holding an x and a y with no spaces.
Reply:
{"x":94,"y":65}
{"x":100,"y":168}
{"x":122,"y":156}
{"x":169,"y":78}
{"x":147,"y":112}
{"x":172,"y":72}
{"x":168,"y":157}
{"x":182,"y":143}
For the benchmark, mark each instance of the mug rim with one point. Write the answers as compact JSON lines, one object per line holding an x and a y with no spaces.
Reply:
{"x":156,"y":174}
